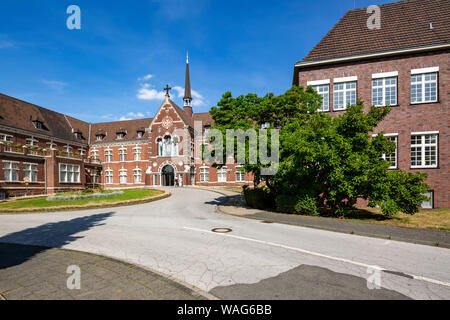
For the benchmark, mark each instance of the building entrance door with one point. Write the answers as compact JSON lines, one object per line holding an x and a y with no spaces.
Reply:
{"x":168,"y":176}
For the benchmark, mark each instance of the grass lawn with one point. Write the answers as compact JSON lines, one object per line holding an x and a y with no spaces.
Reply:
{"x":133,"y":194}
{"x":430,"y":219}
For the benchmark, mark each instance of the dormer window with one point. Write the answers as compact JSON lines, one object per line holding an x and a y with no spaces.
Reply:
{"x":120,"y":135}
{"x":39,"y":125}
{"x":99,"y":137}
{"x":79,"y":135}
{"x":140,"y":134}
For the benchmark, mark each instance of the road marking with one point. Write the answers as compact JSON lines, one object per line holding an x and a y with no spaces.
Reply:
{"x":442,"y":283}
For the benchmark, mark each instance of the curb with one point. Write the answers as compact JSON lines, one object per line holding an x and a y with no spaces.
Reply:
{"x":199,"y":291}
{"x":166,"y":194}
{"x":363,"y":234}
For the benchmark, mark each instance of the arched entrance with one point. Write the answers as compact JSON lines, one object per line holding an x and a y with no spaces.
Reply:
{"x":168,"y":176}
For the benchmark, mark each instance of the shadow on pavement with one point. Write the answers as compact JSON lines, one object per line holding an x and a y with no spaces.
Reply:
{"x":55,"y":234}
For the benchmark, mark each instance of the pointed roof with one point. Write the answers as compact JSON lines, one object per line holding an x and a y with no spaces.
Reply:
{"x":187,"y":85}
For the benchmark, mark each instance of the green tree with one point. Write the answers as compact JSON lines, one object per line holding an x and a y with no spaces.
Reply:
{"x":325,"y":162}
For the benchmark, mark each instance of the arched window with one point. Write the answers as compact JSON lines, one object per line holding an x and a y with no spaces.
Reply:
{"x":167,"y":146}
{"x":160,"y":147}
{"x":175,"y":146}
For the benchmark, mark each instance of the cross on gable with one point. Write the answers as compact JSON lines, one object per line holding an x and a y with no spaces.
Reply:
{"x":167,"y":89}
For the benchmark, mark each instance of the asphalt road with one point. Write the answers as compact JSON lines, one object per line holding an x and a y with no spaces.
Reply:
{"x":254,"y":261}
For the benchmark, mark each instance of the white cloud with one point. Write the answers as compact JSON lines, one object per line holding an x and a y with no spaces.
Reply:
{"x":197,"y":99}
{"x":145,"y":78}
{"x":135,"y":114}
{"x":55,"y":85}
{"x":145,"y":93}
{"x":123,"y":118}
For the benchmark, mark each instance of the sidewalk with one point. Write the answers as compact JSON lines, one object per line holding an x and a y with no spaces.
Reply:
{"x":38,"y":273}
{"x":233,"y":203}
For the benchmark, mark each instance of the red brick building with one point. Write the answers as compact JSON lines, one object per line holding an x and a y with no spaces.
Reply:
{"x":42,"y":151}
{"x":405,"y":64}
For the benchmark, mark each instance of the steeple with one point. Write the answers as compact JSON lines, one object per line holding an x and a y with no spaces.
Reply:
{"x":187,"y":90}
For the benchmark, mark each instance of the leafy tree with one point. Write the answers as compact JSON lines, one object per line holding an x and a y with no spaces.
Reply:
{"x":325,"y":162}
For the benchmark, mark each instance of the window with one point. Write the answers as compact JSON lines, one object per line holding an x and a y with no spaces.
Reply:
{"x":123,"y":155}
{"x":120,"y":136}
{"x":137,"y":176}
{"x":83,"y":152}
{"x":11,"y":171}
{"x":32,"y":144}
{"x":160,"y":147}
{"x":140,"y":134}
{"x":99,"y":137}
{"x":39,"y":125}
{"x":68,"y":151}
{"x":108,"y":155}
{"x":392,"y":158}
{"x":31,"y":172}
{"x":384,"y":91}
{"x":137,"y":154}
{"x":265,"y":125}
{"x":69,"y":173}
{"x":428,"y":204}
{"x":222,"y":174}
{"x":344,"y":95}
{"x":94,"y":155}
{"x":240,"y":174}
{"x":94,"y":176}
{"x":109,"y":176}
{"x":424,"y":87}
{"x":204,"y":174}
{"x":424,"y":150}
{"x":123,"y":176}
{"x":324,"y":92}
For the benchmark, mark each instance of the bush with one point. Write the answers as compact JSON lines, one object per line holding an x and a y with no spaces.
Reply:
{"x":71,"y":197}
{"x":259,"y":198}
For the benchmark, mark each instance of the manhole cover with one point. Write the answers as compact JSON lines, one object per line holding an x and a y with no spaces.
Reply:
{"x":221,"y":230}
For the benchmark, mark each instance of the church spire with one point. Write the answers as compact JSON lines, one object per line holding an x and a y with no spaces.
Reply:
{"x":187,"y":86}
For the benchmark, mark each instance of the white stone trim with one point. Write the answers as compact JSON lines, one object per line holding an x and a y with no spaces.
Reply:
{"x":345,"y":79}
{"x":425,"y":70}
{"x":424,"y":133}
{"x":318,"y":82}
{"x":385,"y":75}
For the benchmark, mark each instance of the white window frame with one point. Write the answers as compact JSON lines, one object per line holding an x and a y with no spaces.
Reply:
{"x":222,"y":174}
{"x":344,"y":91}
{"x":94,"y":155}
{"x":30,"y":171}
{"x":325,"y":96}
{"x":137,"y":153}
{"x":204,"y":174}
{"x":384,"y":87}
{"x":422,"y":147}
{"x":123,"y":178}
{"x":71,"y":173}
{"x":109,"y":176}
{"x":428,"y":204}
{"x":120,"y":136}
{"x":240,"y":175}
{"x":13,"y":170}
{"x":395,"y":154}
{"x":122,"y":154}
{"x":108,"y":155}
{"x":423,"y":83}
{"x":68,"y":151}
{"x":31,"y":142}
{"x":137,"y":173}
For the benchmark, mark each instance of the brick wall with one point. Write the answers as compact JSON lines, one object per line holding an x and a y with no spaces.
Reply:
{"x":404,"y":118}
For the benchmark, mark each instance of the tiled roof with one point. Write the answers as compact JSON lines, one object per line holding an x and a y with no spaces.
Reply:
{"x":404,"y":24}
{"x":20,"y":114}
{"x":110,"y":130}
{"x":205,"y":118}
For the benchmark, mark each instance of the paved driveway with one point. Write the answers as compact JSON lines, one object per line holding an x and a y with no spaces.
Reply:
{"x":254,"y":261}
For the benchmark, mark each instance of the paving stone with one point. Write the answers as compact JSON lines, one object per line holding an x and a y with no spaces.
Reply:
{"x":37,"y":273}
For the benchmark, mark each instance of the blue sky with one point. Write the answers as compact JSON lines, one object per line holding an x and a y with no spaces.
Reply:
{"x":126,"y":51}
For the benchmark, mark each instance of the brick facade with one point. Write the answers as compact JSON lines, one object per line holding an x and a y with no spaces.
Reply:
{"x":405,"y":117}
